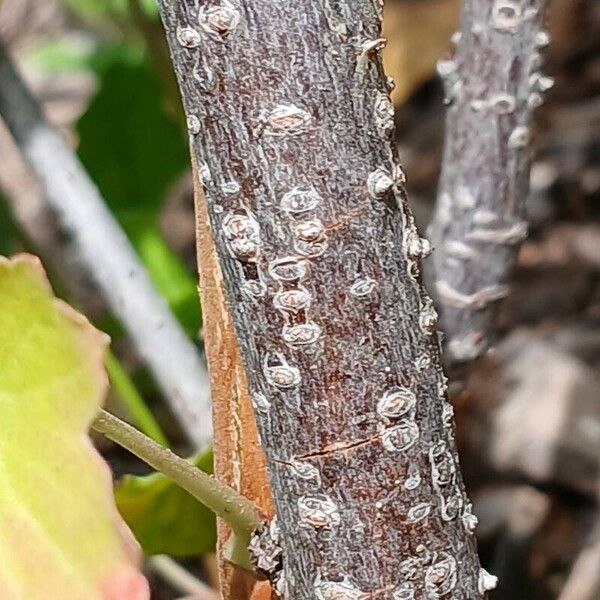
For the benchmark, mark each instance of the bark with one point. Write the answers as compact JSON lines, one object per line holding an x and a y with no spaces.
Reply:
{"x":109,"y":257}
{"x":239,"y":459}
{"x":291,"y":123}
{"x":493,"y":84}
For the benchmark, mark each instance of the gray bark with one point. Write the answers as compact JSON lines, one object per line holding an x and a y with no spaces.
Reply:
{"x":109,"y":257}
{"x":291,"y":124}
{"x":493,"y":84}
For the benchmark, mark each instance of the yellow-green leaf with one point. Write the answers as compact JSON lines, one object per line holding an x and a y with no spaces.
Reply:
{"x":164,"y":517}
{"x":60,"y":534}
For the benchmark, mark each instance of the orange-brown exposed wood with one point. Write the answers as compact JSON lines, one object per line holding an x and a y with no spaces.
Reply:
{"x":239,"y":460}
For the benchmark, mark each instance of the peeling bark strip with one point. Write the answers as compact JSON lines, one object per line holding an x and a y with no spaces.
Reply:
{"x":493,"y":85}
{"x":320,"y":261}
{"x":239,"y":460}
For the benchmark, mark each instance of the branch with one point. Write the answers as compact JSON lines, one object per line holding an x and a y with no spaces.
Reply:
{"x":291,"y":128}
{"x":493,"y":84}
{"x":241,"y":514}
{"x":109,"y":257}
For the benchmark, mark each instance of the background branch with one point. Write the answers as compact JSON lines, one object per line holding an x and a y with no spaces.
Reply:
{"x":493,"y":84}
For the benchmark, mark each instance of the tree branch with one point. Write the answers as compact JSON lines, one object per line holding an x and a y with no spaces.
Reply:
{"x":109,"y":257}
{"x":291,"y":123}
{"x":493,"y":84}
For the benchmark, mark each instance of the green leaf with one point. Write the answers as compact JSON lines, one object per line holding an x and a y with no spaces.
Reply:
{"x":132,"y":400}
{"x":10,"y":236}
{"x":164,"y":518}
{"x":60,"y":535}
{"x":135,"y":153}
{"x":95,"y":11}
{"x":101,"y":11}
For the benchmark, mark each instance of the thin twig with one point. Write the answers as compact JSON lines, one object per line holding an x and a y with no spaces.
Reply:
{"x":239,"y":512}
{"x":109,"y":257}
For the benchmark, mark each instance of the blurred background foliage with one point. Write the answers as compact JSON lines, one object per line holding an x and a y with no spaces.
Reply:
{"x":131,"y":138}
